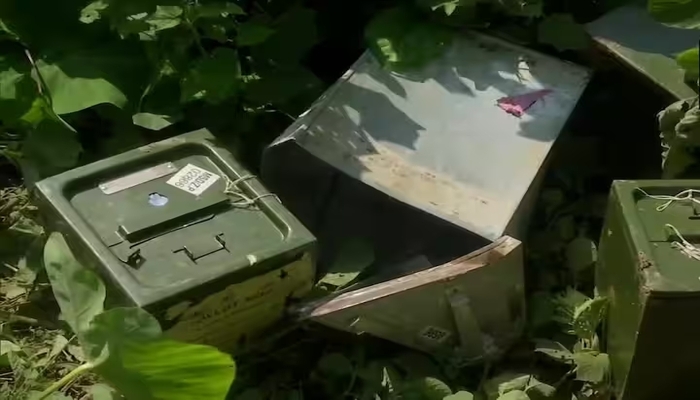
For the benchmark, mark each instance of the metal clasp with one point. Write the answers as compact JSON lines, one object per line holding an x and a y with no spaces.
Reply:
{"x":197,"y":252}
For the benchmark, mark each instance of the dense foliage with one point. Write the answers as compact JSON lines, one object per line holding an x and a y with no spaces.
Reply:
{"x":81,"y":80}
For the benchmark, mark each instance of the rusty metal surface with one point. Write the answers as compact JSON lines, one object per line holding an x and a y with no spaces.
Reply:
{"x":435,"y":139}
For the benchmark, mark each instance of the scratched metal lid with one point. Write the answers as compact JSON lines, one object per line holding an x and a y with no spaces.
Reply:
{"x":170,"y":216}
{"x":463,"y":138}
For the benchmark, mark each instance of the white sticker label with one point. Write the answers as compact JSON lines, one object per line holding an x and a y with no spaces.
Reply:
{"x":193,"y":179}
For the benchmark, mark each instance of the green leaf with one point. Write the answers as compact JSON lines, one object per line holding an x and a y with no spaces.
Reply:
{"x":514,"y":395}
{"x":295,"y":34}
{"x":216,"y":10}
{"x":588,"y":315}
{"x":7,"y":347}
{"x":677,"y":13}
{"x":688,"y":60}
{"x":78,"y":291}
{"x":145,"y":18}
{"x":33,"y":395}
{"x":17,"y":90}
{"x":165,"y":17}
{"x":93,"y":11}
{"x":213,"y":79}
{"x":100,"y":391}
{"x":426,"y":388}
{"x":554,"y":350}
{"x":447,"y":6}
{"x":280,"y":87}
{"x":352,"y":258}
{"x":153,"y":122}
{"x":504,"y":383}
{"x":461,"y":395}
{"x":335,"y":365}
{"x":82,"y":79}
{"x":592,"y":367}
{"x":251,"y":33}
{"x":565,"y":306}
{"x":581,"y":253}
{"x":678,"y":160}
{"x":540,"y":391}
{"x":113,"y":329}
{"x":403,"y":41}
{"x":51,"y":147}
{"x":168,"y":370}
{"x":562,"y":32}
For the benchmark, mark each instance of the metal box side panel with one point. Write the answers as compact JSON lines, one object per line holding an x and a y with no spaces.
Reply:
{"x":666,"y":362}
{"x":631,"y":35}
{"x":410,"y":310}
{"x":436,"y":140}
{"x":303,"y":182}
{"x":618,"y":279}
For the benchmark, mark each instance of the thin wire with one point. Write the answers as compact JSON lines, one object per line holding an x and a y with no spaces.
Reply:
{"x":681,"y":196}
{"x":245,"y":201}
{"x":684,"y":246}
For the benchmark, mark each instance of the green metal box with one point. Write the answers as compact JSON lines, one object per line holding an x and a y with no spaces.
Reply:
{"x":652,"y":329}
{"x":181,"y":229}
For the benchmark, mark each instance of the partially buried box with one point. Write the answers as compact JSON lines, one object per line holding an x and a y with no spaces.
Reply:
{"x":435,"y":168}
{"x":653,"y":287}
{"x":181,"y":229}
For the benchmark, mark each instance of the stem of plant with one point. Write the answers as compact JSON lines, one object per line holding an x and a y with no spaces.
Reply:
{"x":197,"y":38}
{"x":68,"y":378}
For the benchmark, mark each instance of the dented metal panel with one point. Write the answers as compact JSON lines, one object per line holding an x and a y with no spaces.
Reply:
{"x":471,"y":308}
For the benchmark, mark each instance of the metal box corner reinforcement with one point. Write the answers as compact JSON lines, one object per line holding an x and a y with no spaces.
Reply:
{"x":181,"y":229}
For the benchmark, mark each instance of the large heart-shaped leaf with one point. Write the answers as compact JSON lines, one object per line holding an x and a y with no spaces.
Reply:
{"x":129,"y":352}
{"x":110,"y":330}
{"x":592,"y":366}
{"x":78,"y":290}
{"x":51,"y":147}
{"x":677,"y":13}
{"x":81,"y":79}
{"x":164,"y":369}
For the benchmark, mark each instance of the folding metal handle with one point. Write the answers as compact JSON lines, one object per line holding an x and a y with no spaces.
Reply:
{"x":196,"y":250}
